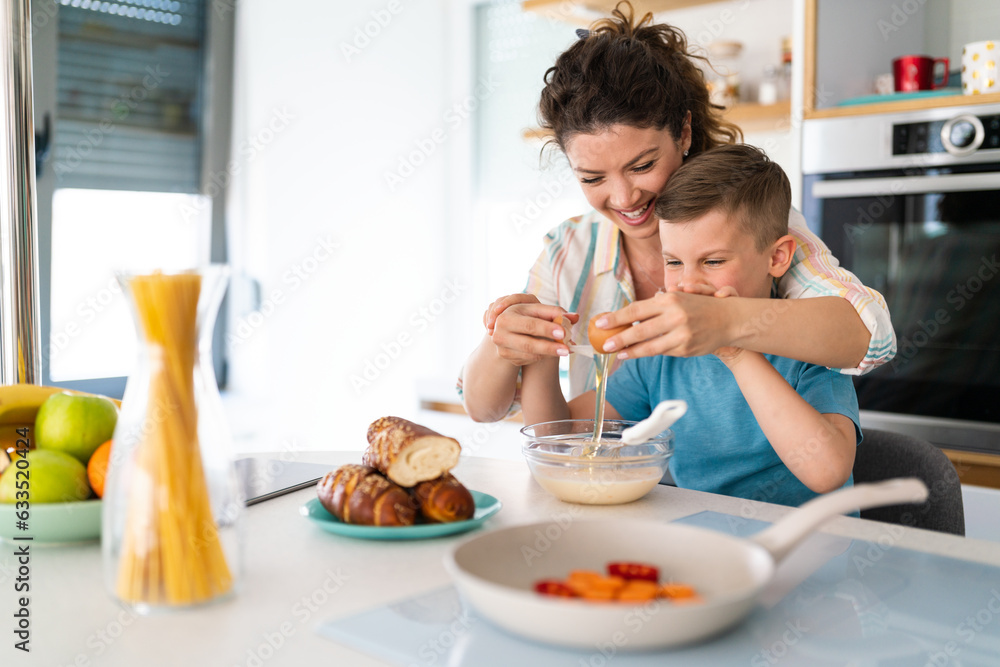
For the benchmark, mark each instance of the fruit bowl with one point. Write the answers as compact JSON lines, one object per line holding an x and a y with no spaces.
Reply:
{"x":76,"y":521}
{"x":557,"y":455}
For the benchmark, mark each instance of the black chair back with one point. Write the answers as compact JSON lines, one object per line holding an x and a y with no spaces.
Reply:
{"x":885,"y":455}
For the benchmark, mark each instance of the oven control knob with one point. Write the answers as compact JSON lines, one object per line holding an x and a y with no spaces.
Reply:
{"x":962,"y":135}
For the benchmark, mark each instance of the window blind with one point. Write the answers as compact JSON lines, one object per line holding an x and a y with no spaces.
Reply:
{"x":129,"y":95}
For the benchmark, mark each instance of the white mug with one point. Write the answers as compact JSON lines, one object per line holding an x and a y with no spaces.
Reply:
{"x":979,"y":68}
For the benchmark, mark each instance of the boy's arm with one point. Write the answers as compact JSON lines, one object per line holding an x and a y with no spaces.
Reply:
{"x":583,"y":407}
{"x":542,"y":399}
{"x":818,"y":448}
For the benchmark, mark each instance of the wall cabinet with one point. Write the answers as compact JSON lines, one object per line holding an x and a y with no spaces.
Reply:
{"x":848,"y":43}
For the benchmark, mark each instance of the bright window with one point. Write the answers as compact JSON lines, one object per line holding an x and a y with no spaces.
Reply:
{"x":98,"y":232}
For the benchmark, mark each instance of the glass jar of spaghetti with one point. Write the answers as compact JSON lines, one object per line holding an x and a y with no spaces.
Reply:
{"x":172,"y":502}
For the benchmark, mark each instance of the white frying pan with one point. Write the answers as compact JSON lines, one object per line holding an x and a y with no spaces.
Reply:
{"x":496,"y":571}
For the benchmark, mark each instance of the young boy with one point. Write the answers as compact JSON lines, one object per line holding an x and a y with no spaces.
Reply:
{"x":758,"y":426}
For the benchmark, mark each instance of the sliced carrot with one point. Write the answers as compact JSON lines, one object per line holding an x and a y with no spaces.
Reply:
{"x":627,"y":582}
{"x":581,"y":580}
{"x":638,"y":590}
{"x":599,"y":587}
{"x":602,"y":594}
{"x":677,"y":591}
{"x":582,"y":576}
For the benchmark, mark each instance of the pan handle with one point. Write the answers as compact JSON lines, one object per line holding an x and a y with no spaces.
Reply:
{"x":786,"y":533}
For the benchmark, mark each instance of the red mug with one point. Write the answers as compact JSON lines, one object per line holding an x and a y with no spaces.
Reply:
{"x":911,"y":73}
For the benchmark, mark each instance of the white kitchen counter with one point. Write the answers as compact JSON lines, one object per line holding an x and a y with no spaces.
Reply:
{"x":297,"y":576}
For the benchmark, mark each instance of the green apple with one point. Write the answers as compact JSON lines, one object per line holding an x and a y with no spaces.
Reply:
{"x":73,"y":424}
{"x":52,"y":477}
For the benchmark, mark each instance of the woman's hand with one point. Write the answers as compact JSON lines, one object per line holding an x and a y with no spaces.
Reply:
{"x":502,"y":304}
{"x":678,"y":323}
{"x":728,"y":354}
{"x":524,"y":330}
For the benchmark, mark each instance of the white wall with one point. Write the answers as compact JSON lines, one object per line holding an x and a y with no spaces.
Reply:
{"x":332,"y":111}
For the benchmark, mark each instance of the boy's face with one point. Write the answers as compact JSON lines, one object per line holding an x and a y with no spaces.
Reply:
{"x":711,"y":250}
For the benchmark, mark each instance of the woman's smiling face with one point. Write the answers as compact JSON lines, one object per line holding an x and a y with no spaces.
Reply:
{"x":622,"y":170}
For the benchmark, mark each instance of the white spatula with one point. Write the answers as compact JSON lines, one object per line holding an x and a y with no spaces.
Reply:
{"x":663,"y":417}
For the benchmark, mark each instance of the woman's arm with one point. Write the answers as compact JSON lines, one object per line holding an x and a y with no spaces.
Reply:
{"x":818,"y":448}
{"x":815,"y":272}
{"x":488,"y":384}
{"x":825,"y":331}
{"x":827,"y":317}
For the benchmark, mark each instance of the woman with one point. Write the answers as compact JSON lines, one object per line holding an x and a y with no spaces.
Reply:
{"x":627,"y":105}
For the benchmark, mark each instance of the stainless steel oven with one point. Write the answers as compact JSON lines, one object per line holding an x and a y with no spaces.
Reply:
{"x":910,"y":202}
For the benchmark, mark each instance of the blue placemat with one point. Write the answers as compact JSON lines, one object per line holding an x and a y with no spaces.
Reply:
{"x":835,"y":601}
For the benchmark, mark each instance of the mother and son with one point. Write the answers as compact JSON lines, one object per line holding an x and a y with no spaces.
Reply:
{"x":739,"y":309}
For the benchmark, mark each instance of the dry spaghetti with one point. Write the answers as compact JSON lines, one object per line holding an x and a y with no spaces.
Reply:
{"x":171,"y":553}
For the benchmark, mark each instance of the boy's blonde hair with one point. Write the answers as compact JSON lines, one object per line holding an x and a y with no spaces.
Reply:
{"x":738,"y":180}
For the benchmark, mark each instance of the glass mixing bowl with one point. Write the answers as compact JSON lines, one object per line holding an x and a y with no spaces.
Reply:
{"x":558,"y":455}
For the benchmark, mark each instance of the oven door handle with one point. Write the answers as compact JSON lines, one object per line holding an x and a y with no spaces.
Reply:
{"x":905,"y":185}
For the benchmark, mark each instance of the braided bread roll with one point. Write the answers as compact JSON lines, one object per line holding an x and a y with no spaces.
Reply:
{"x":358,"y":494}
{"x":336,"y":486}
{"x":444,"y":499}
{"x":409,"y":453}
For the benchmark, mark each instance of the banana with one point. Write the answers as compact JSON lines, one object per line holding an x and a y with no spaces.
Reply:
{"x":19,"y":403}
{"x":10,"y":433}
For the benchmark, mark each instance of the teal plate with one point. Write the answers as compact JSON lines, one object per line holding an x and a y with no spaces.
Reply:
{"x":486,"y":506}
{"x":54,"y":522}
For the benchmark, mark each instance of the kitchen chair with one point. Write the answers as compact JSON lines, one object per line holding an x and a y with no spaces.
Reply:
{"x":886,"y":454}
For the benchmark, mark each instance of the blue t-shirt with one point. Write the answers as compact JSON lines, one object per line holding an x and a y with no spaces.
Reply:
{"x":718,"y":445}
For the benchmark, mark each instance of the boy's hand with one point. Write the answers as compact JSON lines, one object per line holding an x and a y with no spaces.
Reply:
{"x":524,"y":330}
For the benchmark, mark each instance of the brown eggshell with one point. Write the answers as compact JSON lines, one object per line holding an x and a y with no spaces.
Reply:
{"x":598,"y":337}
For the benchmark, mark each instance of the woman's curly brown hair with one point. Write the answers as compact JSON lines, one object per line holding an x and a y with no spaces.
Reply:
{"x":639,"y":74}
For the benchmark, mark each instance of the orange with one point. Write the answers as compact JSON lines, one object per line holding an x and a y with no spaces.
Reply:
{"x":97,"y":468}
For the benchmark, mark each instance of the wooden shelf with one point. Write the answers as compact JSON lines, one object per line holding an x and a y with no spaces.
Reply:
{"x":749,"y":117}
{"x":761,"y":117}
{"x":902,"y":105}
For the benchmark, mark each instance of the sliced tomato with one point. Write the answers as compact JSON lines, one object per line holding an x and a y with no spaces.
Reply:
{"x":553,"y":587}
{"x":633,"y":571}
